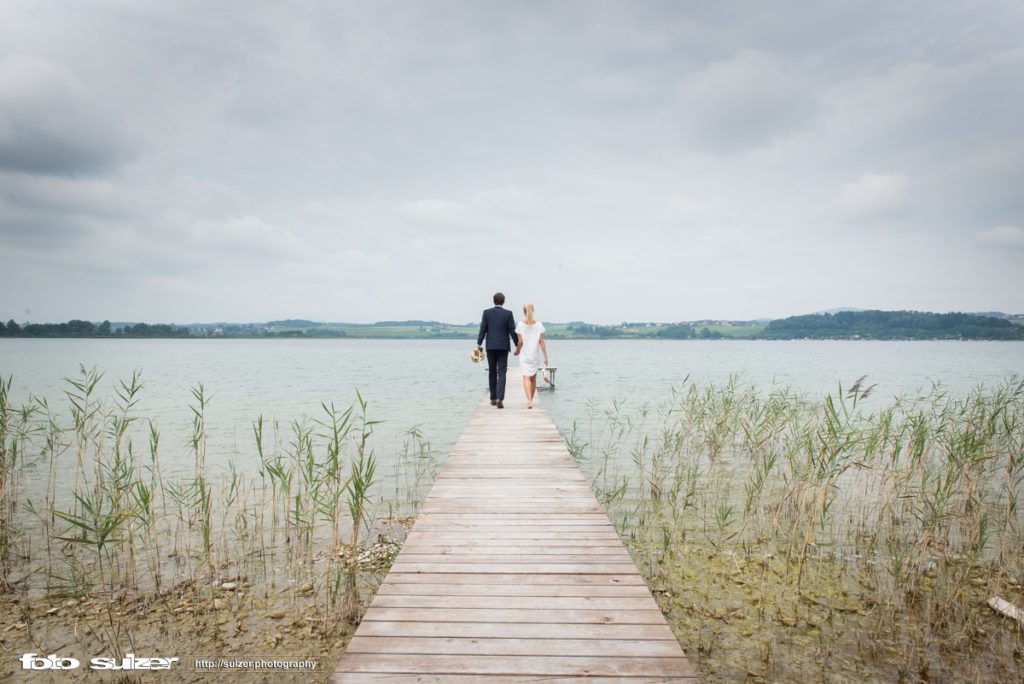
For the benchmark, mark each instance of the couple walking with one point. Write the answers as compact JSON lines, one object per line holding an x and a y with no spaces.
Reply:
{"x":499,"y":326}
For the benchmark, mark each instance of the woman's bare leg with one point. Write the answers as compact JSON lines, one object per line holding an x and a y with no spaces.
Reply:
{"x":533,"y":389}
{"x":526,"y":388}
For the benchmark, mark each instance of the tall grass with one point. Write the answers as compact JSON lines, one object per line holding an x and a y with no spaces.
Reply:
{"x":845,"y":533}
{"x":86,"y":478}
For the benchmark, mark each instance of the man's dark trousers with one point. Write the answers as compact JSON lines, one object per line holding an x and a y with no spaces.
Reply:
{"x":497,"y":367}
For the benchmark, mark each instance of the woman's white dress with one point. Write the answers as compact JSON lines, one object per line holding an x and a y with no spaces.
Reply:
{"x":531,"y":358}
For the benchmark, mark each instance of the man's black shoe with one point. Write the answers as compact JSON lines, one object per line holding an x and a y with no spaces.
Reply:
{"x":494,"y":402}
{"x":500,"y":405}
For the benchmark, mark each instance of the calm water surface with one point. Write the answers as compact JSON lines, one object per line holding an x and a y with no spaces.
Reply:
{"x":432,"y":384}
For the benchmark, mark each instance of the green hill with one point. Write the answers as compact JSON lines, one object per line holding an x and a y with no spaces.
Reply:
{"x":892,"y":325}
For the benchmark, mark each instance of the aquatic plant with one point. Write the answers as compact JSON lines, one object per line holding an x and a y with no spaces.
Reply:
{"x":120,"y":532}
{"x":762,"y":518}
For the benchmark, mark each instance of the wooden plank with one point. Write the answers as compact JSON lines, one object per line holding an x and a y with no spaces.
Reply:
{"x":505,"y":513}
{"x":515,"y":602}
{"x":521,"y":529}
{"x":648,"y":648}
{"x":523,"y":630}
{"x":516,"y":506}
{"x":606,"y":535}
{"x":482,"y":520}
{"x":425,"y":678}
{"x":1001,"y":605}
{"x":521,"y":532}
{"x":532,"y":547}
{"x":488,"y":541}
{"x":542,"y":518}
{"x":515,"y":665}
{"x":512,"y":572}
{"x":434,"y":556}
{"x":539,"y":493}
{"x":650,"y":616}
{"x":540,"y":590}
{"x":527,"y":567}
{"x":474,"y":485}
{"x":584,"y":579}
{"x":483,"y":508}
{"x":552,"y":498}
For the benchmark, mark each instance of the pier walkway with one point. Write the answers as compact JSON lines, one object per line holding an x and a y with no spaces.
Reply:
{"x":512,"y":573}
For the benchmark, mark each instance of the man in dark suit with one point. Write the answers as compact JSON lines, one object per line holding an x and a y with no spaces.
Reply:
{"x":498,"y":326}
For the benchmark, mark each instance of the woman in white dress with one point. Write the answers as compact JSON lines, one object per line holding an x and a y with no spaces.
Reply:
{"x":533,"y":354}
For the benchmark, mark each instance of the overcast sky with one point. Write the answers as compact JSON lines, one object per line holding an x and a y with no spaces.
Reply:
{"x":607,"y":161}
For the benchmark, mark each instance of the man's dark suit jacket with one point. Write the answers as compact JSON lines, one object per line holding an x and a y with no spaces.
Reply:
{"x":498,"y":326}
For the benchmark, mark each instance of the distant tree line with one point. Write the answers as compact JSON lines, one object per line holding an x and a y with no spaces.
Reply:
{"x":676,"y":331}
{"x":79,"y":328}
{"x":893,"y":325}
{"x":685,"y":331}
{"x":594,"y":330}
{"x":325,"y":332}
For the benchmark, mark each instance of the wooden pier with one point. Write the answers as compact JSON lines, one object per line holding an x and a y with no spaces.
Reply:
{"x":512,"y":573}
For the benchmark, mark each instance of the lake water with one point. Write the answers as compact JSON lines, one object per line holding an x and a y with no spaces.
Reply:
{"x":433,"y":384}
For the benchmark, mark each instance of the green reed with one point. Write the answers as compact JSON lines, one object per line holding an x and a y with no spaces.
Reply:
{"x":118,"y":528}
{"x":889,"y":518}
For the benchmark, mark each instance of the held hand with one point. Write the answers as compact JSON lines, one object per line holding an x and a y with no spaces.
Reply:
{"x":515,"y":353}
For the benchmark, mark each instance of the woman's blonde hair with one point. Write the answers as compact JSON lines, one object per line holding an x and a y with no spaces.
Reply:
{"x":528,"y":312}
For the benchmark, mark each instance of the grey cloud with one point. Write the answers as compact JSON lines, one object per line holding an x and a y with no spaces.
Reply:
{"x":1011,"y":237}
{"x":344,"y":160}
{"x":875,"y":195}
{"x":746,"y":101}
{"x":59,"y":213}
{"x":51,"y":124}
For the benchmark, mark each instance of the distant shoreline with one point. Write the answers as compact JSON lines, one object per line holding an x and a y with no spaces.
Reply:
{"x":841,"y":325}
{"x":553,"y":338}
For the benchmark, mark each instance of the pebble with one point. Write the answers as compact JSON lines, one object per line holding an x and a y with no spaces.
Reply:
{"x":275,"y":614}
{"x":979,"y":581}
{"x":229,"y":586}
